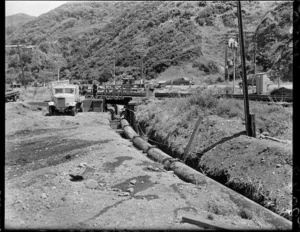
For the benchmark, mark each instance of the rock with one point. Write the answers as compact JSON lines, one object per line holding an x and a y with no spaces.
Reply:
{"x":81,"y":165}
{"x":210,"y":217}
{"x":76,"y":177}
{"x":171,"y":172}
{"x":44,"y":196}
{"x":91,"y":184}
{"x":130,"y":190}
{"x":265,"y":133}
{"x":278,"y":165}
{"x":151,"y":168}
{"x":124,"y":194}
{"x":54,"y":187}
{"x":156,"y":169}
{"x":133,"y":182}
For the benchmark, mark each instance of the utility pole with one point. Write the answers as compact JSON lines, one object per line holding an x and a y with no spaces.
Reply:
{"x":254,"y":68}
{"x":225,"y":66}
{"x":278,"y":78}
{"x":142,"y":70}
{"x":249,"y":120}
{"x":22,"y":68}
{"x":114,"y":68}
{"x":233,"y":69}
{"x":20,"y":59}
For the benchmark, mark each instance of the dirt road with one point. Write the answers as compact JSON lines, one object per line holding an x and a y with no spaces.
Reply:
{"x":64,"y":172}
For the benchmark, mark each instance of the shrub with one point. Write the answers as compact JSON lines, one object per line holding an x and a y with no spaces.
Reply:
{"x":203,"y":99}
{"x":202,"y":3}
{"x":229,"y":108}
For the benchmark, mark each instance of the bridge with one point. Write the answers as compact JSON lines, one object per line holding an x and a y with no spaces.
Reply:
{"x":119,"y":94}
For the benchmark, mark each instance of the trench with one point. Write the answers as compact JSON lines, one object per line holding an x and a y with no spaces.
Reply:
{"x":194,"y":161}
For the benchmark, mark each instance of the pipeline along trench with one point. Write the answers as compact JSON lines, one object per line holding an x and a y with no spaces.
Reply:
{"x":240,"y":155}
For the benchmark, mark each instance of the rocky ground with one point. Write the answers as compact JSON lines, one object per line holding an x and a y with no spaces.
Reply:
{"x":64,"y":172}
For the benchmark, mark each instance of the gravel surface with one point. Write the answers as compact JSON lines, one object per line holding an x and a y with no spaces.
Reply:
{"x":64,"y":172}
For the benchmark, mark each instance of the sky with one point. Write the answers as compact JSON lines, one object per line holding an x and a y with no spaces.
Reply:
{"x":33,"y":8}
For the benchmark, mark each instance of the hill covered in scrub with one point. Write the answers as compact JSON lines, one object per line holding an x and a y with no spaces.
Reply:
{"x":83,"y":39}
{"x":12,"y":22}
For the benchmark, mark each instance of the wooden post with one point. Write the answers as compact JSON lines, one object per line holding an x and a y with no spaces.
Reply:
{"x":192,"y":138}
{"x":208,"y":224}
{"x":104,"y":105}
{"x":244,"y":74}
{"x":252,"y":127}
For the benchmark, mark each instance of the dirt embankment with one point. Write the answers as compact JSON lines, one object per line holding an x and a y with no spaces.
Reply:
{"x":65,"y":172}
{"x":260,"y":169}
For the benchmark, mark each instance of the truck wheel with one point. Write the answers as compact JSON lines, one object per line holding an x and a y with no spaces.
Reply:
{"x":51,"y":110}
{"x":73,"y":111}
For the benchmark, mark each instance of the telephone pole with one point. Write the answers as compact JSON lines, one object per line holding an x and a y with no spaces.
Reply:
{"x":254,"y":68}
{"x":20,"y":58}
{"x":225,"y":66}
{"x":249,"y":119}
{"x":22,"y":67}
{"x":142,"y":70}
{"x":233,"y":69}
{"x":114,"y":73}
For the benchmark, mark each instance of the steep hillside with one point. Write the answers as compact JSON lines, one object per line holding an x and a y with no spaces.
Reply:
{"x":83,"y":38}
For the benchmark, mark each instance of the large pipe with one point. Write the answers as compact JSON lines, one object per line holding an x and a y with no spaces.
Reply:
{"x":190,"y":175}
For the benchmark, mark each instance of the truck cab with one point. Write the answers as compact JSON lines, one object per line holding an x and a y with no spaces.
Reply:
{"x":65,"y":99}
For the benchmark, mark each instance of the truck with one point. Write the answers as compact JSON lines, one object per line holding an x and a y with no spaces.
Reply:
{"x":178,"y":81}
{"x":65,"y":99}
{"x":10,"y":94}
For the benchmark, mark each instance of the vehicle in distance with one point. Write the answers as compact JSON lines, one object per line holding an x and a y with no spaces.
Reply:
{"x":180,"y":81}
{"x":10,"y":94}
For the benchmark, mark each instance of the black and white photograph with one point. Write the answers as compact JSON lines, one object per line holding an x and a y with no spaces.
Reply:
{"x":150,"y":115}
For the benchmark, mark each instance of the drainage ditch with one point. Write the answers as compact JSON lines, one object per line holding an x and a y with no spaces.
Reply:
{"x":194,"y":161}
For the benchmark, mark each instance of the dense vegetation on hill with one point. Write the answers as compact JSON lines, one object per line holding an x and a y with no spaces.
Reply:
{"x":86,"y":39}
{"x":12,"y":22}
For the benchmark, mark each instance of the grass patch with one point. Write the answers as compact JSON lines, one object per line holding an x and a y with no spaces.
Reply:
{"x":175,"y":118}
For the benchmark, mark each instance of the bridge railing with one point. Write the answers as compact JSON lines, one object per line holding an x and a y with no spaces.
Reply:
{"x":119,"y":91}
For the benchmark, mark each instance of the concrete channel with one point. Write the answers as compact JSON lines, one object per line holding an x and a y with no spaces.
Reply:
{"x":188,"y":174}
